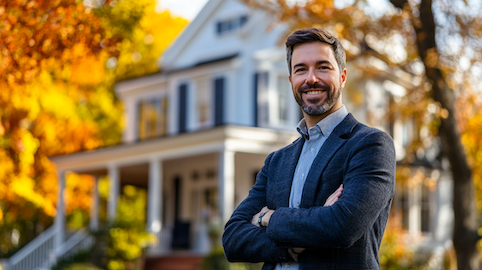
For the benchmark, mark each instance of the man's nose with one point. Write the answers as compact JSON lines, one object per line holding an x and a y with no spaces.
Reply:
{"x":311,"y":77}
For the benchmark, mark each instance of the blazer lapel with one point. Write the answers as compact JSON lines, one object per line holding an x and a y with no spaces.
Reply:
{"x":288,"y":165}
{"x":336,"y":139}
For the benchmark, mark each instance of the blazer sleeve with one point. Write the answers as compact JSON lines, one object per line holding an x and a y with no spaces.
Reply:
{"x":368,"y":190}
{"x":244,"y":242}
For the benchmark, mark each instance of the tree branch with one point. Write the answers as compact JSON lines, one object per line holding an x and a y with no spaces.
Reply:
{"x":399,"y":3}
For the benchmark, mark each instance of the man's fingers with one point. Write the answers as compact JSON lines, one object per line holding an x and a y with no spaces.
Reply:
{"x":254,"y":220}
{"x":333,"y":198}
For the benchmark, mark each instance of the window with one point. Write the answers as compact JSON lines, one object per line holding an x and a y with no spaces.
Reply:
{"x":425,"y":209}
{"x":274,"y":101}
{"x":226,"y":26}
{"x":282,"y":100}
{"x":261,"y":98}
{"x":203,"y":101}
{"x":414,"y":201}
{"x":152,"y":118}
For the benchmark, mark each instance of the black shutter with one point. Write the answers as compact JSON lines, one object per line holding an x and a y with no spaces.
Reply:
{"x":182,"y":108}
{"x":219,"y":101}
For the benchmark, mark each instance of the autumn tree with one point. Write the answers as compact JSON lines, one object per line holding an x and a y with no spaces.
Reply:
{"x":43,"y":45}
{"x":442,"y":54}
{"x":56,"y":97}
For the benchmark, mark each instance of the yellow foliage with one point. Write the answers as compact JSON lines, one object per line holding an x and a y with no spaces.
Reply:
{"x":395,"y":252}
{"x":25,"y":187}
{"x":57,"y":94}
{"x":78,"y":192}
{"x":472,"y":140}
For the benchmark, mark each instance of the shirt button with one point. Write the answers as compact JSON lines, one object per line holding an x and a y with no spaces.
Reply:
{"x":312,"y":149}
{"x":302,"y":175}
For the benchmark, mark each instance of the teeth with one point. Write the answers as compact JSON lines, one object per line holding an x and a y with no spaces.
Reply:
{"x":314,"y":92}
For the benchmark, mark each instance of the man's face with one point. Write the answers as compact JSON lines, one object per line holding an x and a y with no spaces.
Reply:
{"x":315,"y":78}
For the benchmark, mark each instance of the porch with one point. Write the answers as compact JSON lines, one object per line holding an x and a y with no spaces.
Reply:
{"x":193,"y":180}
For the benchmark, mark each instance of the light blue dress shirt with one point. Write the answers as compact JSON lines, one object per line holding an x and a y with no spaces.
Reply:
{"x":314,"y":139}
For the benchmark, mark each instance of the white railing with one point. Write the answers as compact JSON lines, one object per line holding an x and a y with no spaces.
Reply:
{"x":163,"y":243}
{"x":35,"y":254}
{"x":81,"y":240}
{"x":39,"y":254}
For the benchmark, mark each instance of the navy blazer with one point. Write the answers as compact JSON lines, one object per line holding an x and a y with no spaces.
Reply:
{"x":346,"y":235}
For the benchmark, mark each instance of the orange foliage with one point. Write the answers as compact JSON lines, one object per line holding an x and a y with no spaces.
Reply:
{"x":56,"y":96}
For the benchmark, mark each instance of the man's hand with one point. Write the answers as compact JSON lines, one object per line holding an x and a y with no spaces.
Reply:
{"x":266,"y":216}
{"x":265,"y":220}
{"x":334,"y":197}
{"x":294,"y":252}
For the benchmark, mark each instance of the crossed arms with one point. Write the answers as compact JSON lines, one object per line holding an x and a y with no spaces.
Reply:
{"x":264,"y":215}
{"x":368,"y":181}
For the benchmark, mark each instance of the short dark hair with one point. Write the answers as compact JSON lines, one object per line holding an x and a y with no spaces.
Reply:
{"x":315,"y":34}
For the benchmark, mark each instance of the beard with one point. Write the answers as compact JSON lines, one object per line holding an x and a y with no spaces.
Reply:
{"x":312,"y":108}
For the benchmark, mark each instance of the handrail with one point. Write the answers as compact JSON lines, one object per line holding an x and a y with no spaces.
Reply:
{"x":33,"y":254}
{"x":40,"y":253}
{"x":80,"y":240}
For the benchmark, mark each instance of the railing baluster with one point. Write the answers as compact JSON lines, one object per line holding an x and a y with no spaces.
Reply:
{"x":37,"y":254}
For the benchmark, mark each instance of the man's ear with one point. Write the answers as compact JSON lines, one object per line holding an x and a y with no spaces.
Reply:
{"x":343,"y":78}
{"x":289,"y":78}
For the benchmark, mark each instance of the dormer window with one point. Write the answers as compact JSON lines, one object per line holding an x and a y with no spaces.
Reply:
{"x":230,"y":25}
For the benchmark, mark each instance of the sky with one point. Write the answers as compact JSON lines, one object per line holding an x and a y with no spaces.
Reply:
{"x":187,"y":9}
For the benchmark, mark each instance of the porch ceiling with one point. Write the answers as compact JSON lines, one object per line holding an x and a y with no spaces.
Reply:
{"x":135,"y":157}
{"x":136,"y":175}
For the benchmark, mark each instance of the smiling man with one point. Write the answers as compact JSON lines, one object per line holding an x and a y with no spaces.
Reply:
{"x":323,"y":201}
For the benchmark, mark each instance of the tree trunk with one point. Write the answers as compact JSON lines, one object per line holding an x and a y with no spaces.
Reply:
{"x":465,"y":234}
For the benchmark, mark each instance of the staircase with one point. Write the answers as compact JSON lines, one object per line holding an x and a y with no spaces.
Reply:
{"x":41,"y":254}
{"x":173,"y":262}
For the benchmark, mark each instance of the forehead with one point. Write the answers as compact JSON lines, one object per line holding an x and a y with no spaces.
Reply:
{"x":313,"y":52}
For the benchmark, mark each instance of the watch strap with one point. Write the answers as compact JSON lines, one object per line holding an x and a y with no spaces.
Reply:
{"x":260,"y":219}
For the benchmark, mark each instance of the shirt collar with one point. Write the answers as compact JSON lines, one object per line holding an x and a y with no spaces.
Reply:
{"x":326,"y":125}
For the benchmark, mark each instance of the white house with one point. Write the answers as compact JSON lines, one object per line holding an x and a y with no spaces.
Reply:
{"x":197,"y":133}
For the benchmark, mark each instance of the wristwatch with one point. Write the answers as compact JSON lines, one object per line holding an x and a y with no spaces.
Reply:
{"x":260,"y":219}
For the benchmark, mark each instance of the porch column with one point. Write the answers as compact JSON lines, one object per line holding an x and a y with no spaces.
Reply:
{"x":60,"y":215}
{"x":415,"y":209}
{"x":226,"y":183}
{"x":94,"y":208}
{"x":114,"y":190}
{"x":154,"y":196}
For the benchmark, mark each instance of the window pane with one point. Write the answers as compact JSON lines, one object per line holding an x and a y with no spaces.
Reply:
{"x":426,"y":195}
{"x":283,"y":99}
{"x":152,"y":118}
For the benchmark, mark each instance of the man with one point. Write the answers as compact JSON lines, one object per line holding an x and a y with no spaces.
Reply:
{"x":289,"y":220}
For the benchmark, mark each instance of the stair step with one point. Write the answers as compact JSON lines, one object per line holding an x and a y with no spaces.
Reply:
{"x":173,"y":262}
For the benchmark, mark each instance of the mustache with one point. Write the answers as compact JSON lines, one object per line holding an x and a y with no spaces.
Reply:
{"x":314,"y":85}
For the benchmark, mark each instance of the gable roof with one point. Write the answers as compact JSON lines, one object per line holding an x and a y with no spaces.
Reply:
{"x":189,"y":33}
